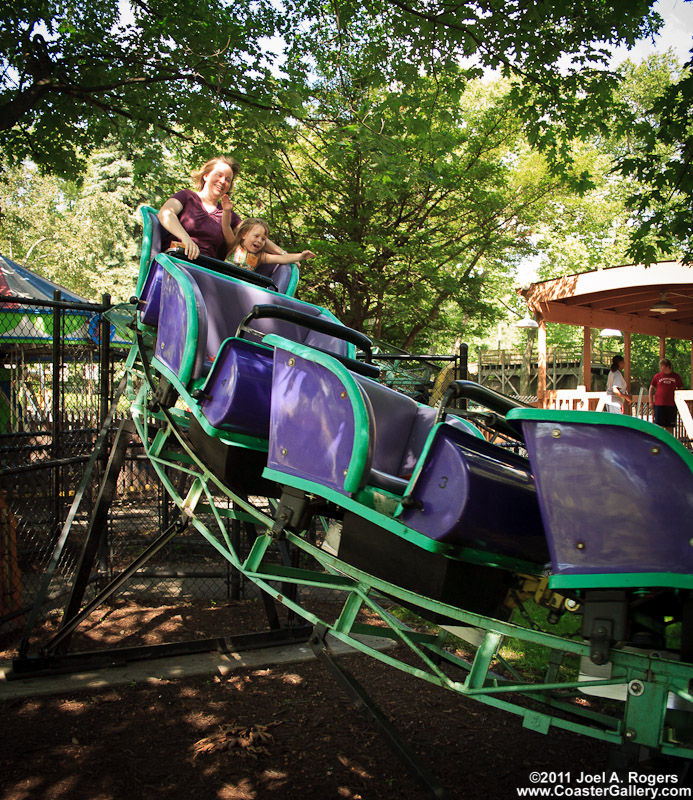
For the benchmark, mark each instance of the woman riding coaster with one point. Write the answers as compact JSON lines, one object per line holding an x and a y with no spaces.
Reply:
{"x":196,"y":218}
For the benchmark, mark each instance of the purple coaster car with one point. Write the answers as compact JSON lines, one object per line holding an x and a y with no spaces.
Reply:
{"x":616,"y":493}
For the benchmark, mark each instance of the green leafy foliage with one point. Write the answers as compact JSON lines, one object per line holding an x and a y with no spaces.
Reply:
{"x":659,"y":162}
{"x":365,"y":133}
{"x":418,"y":197}
{"x":84,"y":237}
{"x":72,"y":75}
{"x":556,"y":54}
{"x":75,"y":75}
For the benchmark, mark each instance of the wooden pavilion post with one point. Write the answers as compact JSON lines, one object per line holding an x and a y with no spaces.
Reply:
{"x":662,"y":347}
{"x":587,"y":358}
{"x":626,"y":356}
{"x":541,"y":348}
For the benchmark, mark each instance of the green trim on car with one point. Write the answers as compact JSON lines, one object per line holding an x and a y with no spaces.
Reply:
{"x":359,"y":451}
{"x":456,"y":552}
{"x":622,"y":580}
{"x":603,"y":418}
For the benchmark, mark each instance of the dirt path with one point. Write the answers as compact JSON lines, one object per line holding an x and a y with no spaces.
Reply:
{"x":279,"y":733}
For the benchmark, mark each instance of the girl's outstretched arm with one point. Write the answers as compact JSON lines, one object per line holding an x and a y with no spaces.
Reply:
{"x":285,"y":258}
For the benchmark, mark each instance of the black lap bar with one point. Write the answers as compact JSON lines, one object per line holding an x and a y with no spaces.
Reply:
{"x":499,"y":403}
{"x":469,"y":390}
{"x":356,"y":338}
{"x":314,"y":323}
{"x":225,"y":268}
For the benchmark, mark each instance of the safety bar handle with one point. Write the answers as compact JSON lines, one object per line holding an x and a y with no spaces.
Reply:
{"x":489,"y":398}
{"x":356,"y":338}
{"x":225,"y":268}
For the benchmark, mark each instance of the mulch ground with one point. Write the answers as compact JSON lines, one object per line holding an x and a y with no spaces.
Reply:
{"x":279,"y":733}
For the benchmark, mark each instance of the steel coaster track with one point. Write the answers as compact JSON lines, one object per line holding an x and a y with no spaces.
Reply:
{"x":649,"y":681}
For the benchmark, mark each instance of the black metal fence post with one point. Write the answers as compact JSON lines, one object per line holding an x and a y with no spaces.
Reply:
{"x":104,"y":362}
{"x":463,"y":369}
{"x":104,"y":406}
{"x":56,"y":413}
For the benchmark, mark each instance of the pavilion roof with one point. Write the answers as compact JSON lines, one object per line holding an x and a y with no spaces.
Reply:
{"x":619,"y":297}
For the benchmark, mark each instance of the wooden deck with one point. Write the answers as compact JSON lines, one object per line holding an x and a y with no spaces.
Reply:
{"x":502,"y":369}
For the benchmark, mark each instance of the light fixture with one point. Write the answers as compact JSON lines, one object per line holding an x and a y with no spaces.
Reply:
{"x":527,"y":322}
{"x":610,"y":333}
{"x":663,"y":306}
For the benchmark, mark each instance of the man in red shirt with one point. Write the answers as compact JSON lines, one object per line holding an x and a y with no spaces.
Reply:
{"x":662,"y":389}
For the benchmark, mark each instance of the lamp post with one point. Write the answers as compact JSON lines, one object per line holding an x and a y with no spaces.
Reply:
{"x":527,"y":322}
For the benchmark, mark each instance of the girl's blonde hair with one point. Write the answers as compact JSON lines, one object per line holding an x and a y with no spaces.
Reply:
{"x":244,"y":227}
{"x":199,"y":175}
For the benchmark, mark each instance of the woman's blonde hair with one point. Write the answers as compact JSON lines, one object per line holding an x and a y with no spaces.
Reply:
{"x":245,"y":226}
{"x":199,"y":175}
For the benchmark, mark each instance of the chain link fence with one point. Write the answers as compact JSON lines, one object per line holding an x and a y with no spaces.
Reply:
{"x":58,"y":370}
{"x":51,"y":399}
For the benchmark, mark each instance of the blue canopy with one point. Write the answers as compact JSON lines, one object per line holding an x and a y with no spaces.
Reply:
{"x":18,"y":281}
{"x":23,"y":322}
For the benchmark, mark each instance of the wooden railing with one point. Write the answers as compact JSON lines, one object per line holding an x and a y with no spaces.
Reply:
{"x":684,"y":400}
{"x":581,"y":400}
{"x":575,"y":399}
{"x":560,"y":355}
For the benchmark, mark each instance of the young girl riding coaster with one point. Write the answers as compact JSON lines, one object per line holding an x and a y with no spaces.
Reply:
{"x":246,"y":249}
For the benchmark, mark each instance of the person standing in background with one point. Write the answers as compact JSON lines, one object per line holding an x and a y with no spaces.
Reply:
{"x":662,"y":388}
{"x":616,"y":389}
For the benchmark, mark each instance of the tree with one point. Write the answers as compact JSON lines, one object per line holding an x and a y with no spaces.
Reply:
{"x":85,"y":237}
{"x":596,"y":228}
{"x":102,"y":230}
{"x":659,"y":161}
{"x":348,"y":93}
{"x":586,"y":231}
{"x":418,"y":196}
{"x":556,"y":56}
{"x":31,"y":203}
{"x":74,"y":75}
